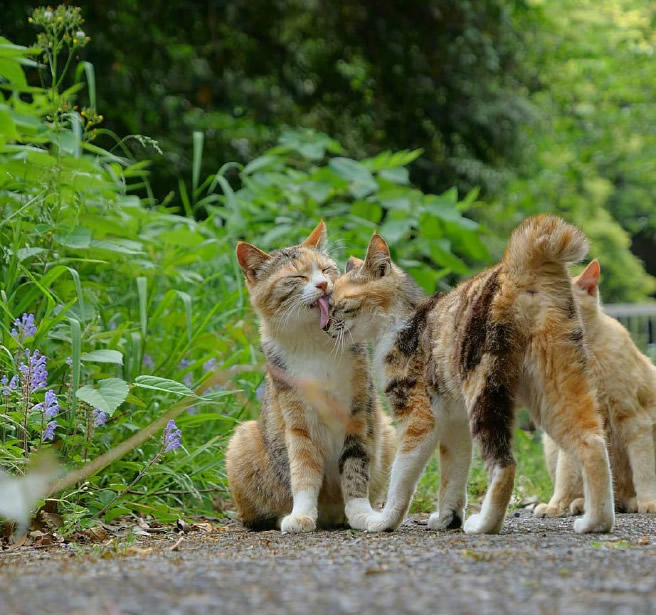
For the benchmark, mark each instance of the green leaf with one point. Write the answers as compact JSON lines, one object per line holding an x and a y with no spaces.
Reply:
{"x":108,"y":395}
{"x":351,"y":170}
{"x":164,"y":385}
{"x":103,"y":356}
{"x":440,"y":251}
{"x":394,"y":230}
{"x":78,"y":238}
{"x":397,"y":175}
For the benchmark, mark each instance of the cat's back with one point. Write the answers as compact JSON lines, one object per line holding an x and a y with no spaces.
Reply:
{"x":625,"y":377}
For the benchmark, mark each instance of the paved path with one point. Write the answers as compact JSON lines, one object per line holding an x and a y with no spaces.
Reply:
{"x":535,"y":566}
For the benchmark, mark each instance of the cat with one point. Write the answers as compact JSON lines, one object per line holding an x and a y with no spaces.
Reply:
{"x":626,"y":390}
{"x":457,"y":365}
{"x":322,"y":447}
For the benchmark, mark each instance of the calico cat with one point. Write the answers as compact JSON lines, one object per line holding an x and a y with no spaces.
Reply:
{"x":322,"y":447}
{"x":625,"y":380}
{"x":461,"y":362}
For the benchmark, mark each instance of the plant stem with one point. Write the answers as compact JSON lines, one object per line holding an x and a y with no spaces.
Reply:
{"x":137,"y":478}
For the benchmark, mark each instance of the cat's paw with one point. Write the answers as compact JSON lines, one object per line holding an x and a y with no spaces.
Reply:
{"x":546,"y":510}
{"x":297,"y":524}
{"x":480,"y":524}
{"x":380,"y":522}
{"x":446,"y":520}
{"x":598,"y":524}
{"x":629,"y":505}
{"x":648,"y":506}
{"x":576,"y":507}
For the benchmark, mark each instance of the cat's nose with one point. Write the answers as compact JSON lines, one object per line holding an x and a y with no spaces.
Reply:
{"x":322,"y":284}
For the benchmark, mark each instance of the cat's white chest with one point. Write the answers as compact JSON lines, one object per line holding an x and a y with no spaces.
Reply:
{"x":328,"y":376}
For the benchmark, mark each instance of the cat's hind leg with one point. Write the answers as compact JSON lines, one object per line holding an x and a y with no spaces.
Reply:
{"x":259,"y":486}
{"x":575,"y":426}
{"x":491,"y":418}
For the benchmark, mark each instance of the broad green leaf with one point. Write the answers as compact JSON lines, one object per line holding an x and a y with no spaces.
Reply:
{"x":78,"y":238}
{"x":103,"y":356}
{"x":164,"y":385}
{"x":107,"y":395}
{"x":351,"y":170}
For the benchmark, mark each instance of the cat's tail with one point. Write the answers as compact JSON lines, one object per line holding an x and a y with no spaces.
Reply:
{"x":544,"y":241}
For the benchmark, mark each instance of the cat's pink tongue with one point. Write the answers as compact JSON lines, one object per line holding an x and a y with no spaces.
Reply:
{"x":324,"y":312}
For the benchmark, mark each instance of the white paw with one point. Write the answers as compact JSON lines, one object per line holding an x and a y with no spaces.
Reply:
{"x":577,"y":507}
{"x":296,"y":524}
{"x":478,"y":524}
{"x":546,"y":510}
{"x":594,"y":525}
{"x":446,"y":520}
{"x":380,"y":522}
{"x":646,"y":507}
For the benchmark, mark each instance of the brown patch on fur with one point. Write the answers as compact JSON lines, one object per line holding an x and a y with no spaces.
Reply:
{"x":509,"y":329}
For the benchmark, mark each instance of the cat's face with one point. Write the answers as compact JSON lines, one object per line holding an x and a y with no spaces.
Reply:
{"x":586,"y":291}
{"x":365,"y":294}
{"x":290,"y":287}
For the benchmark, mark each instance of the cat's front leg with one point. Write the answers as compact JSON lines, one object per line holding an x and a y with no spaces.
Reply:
{"x":640,"y":449}
{"x":417,"y":441}
{"x":568,"y":487}
{"x":354,"y":470}
{"x":306,"y":471}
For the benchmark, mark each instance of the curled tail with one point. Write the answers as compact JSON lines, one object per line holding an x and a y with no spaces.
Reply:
{"x":544,"y":240}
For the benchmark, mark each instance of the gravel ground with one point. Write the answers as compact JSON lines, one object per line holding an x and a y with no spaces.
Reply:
{"x":534,"y":566}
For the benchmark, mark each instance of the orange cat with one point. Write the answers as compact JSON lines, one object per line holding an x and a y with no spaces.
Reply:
{"x":626,"y":390}
{"x":465,"y":360}
{"x":322,"y":447}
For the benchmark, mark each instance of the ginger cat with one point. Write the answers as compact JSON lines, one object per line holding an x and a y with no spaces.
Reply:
{"x":457,"y":365}
{"x":322,"y":447}
{"x":626,"y":390}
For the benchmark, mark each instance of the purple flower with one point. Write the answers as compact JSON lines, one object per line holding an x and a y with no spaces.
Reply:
{"x":172,"y":437}
{"x":99,"y":417}
{"x":3,"y":382}
{"x":24,"y":327}
{"x":184,"y":363}
{"x":51,"y":405}
{"x":188,"y":380}
{"x":69,"y":361}
{"x":13,"y":383}
{"x":209,"y":365}
{"x":148,"y":362}
{"x":49,"y":431}
{"x":259,"y":392}
{"x":33,"y":373}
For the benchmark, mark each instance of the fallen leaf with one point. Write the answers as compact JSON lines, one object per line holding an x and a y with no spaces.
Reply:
{"x":203,"y":527}
{"x":183,"y":526}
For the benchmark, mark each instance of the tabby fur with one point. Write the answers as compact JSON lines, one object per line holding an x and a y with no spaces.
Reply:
{"x":321,"y":449}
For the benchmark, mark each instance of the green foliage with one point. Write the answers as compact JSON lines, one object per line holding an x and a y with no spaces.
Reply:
{"x":590,"y":155}
{"x":441,"y":75}
{"x":135,"y":307}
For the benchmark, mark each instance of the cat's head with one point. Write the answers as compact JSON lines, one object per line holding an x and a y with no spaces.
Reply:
{"x":369,"y":290}
{"x":586,"y":290}
{"x":290,"y":288}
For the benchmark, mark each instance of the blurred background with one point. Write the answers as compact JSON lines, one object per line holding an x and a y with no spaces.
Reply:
{"x":140,"y":140}
{"x":542,"y":106}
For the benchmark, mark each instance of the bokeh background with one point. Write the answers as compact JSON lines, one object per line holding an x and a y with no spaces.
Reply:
{"x":129,"y":171}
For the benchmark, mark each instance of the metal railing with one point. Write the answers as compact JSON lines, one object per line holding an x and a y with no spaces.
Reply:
{"x":639,"y":319}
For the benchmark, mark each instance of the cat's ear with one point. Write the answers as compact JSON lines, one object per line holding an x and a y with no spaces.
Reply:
{"x":353,"y":263}
{"x":317,"y":237}
{"x":250,"y":259}
{"x":588,"y":280}
{"x":378,"y":261}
